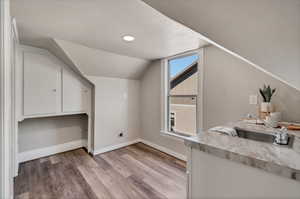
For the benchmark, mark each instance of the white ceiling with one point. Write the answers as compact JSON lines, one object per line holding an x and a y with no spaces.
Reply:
{"x":94,"y":62}
{"x":101,"y":24}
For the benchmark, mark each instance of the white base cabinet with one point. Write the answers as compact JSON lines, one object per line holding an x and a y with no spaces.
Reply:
{"x":213,"y":177}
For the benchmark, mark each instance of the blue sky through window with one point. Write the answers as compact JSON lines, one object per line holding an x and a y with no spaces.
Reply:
{"x":179,"y":64}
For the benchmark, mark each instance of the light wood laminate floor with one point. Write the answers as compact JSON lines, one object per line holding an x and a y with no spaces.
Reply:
{"x":133,"y":172}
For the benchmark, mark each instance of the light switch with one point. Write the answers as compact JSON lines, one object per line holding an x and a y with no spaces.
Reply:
{"x":253,"y":99}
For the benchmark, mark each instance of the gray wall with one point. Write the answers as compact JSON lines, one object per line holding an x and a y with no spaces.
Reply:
{"x":228,"y":82}
{"x":44,"y":132}
{"x":151,"y":110}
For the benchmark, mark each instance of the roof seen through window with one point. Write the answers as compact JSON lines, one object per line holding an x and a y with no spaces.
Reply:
{"x":178,"y":65}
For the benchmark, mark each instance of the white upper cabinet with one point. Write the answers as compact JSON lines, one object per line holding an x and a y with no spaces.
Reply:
{"x":42,"y":79}
{"x":74,"y":92}
{"x":50,"y":87}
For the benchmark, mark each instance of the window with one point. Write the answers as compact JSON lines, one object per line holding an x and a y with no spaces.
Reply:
{"x":181,"y":94}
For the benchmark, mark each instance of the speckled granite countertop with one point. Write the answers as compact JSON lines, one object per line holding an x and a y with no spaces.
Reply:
{"x":279,"y":160}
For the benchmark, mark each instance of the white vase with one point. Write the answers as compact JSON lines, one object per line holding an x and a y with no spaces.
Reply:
{"x":266,"y":107}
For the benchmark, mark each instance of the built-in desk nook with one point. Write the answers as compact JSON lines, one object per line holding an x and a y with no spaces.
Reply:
{"x":53,"y":108}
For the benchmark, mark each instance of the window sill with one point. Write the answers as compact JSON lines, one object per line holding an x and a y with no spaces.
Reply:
{"x":173,"y":135}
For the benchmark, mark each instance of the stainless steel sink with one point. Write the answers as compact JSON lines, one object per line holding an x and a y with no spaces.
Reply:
{"x":262,"y":137}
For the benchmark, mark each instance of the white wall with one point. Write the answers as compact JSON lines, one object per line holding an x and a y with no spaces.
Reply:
{"x":39,"y":133}
{"x":228,"y":82}
{"x":117,"y":109}
{"x":264,"y":31}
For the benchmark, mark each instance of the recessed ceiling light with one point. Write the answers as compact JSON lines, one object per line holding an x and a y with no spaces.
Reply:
{"x":128,"y":38}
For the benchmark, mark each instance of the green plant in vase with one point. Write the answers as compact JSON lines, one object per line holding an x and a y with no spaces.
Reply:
{"x":266,"y":92}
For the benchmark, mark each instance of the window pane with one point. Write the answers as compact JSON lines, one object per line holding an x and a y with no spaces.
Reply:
{"x":183,"y":74}
{"x":178,"y":65}
{"x":182,"y":115}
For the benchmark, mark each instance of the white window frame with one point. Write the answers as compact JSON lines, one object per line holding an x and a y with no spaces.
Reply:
{"x":165,"y":90}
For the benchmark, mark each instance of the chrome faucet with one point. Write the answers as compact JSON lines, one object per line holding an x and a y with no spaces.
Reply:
{"x":281,"y":136}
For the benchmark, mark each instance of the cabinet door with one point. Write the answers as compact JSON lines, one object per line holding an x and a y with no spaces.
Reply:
{"x":73,"y":92}
{"x":87,"y":92}
{"x":42,"y":79}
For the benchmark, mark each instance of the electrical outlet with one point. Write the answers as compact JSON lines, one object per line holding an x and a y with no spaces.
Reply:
{"x":253,"y":99}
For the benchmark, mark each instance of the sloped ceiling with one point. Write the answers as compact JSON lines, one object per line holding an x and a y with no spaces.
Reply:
{"x":60,"y":53}
{"x":266,"y":32}
{"x":100,"y":24}
{"x":94,"y":62}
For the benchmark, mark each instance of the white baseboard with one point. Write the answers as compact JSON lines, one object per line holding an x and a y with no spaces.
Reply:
{"x":43,"y":152}
{"x":114,"y":147}
{"x":164,"y":149}
{"x":51,"y":150}
{"x":160,"y":148}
